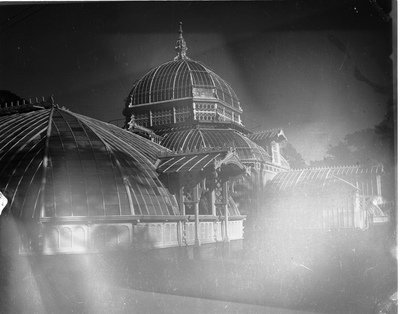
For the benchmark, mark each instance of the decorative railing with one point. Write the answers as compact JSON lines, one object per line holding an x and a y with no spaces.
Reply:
{"x":22,"y":104}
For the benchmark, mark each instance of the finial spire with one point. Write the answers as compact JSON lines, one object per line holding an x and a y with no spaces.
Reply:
{"x":180,"y":47}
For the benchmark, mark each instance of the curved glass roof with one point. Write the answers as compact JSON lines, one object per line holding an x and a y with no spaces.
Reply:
{"x":184,"y":140}
{"x":55,"y":163}
{"x":177,"y":79}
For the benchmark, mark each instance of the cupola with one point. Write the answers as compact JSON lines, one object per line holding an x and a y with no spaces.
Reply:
{"x":181,"y":91}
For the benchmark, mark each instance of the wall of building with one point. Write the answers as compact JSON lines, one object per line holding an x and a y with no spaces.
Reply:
{"x":51,"y":238}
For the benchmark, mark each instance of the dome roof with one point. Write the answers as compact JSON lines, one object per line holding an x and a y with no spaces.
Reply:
{"x":181,"y":78}
{"x":55,"y":163}
{"x":190,"y":139}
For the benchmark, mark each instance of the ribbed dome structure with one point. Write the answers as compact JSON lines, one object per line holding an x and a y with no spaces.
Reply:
{"x":181,"y":92}
{"x":191,"y":139}
{"x":55,"y":163}
{"x":189,"y":107}
{"x":179,"y":79}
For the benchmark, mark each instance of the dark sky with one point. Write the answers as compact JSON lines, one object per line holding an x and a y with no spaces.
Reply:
{"x":318,"y":69}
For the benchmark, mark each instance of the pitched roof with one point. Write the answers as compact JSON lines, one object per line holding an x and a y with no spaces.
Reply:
{"x":273,"y":135}
{"x":324,"y":180}
{"x":199,"y":161}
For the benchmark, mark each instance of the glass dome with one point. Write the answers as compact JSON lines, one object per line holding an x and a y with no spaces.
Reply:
{"x":181,"y":78}
{"x":55,"y":163}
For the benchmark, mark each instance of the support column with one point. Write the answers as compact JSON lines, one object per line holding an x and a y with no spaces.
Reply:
{"x":210,"y":183}
{"x":196,"y":215}
{"x":227,"y":250}
{"x":225,"y":201}
{"x":197,"y":242}
{"x":212,"y":203}
{"x":358,"y":219}
{"x":193,"y":114}
{"x":181,"y":199}
{"x":174,"y":114}
{"x":150,"y":118}
{"x":179,"y":226}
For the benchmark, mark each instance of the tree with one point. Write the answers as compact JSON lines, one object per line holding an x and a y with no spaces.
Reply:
{"x":362,"y":147}
{"x":6,"y":97}
{"x":370,"y":146}
{"x":386,"y":129}
{"x":293,"y":157}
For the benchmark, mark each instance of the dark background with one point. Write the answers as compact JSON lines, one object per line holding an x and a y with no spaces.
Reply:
{"x":318,"y":69}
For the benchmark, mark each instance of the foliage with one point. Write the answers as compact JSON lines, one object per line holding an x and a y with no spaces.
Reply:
{"x":361,"y":147}
{"x":386,"y":130}
{"x":293,"y":157}
{"x":245,"y":193}
{"x":366,"y":147}
{"x":8,"y":97}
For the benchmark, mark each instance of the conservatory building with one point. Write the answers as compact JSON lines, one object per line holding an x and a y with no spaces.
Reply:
{"x":177,"y":177}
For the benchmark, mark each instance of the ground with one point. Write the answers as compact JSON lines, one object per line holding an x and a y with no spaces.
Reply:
{"x":285,"y":274}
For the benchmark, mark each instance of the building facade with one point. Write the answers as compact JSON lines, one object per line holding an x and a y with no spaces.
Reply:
{"x":183,"y":173}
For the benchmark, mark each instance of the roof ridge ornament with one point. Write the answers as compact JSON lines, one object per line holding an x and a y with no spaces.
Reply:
{"x":180,"y":47}
{"x":269,"y":130}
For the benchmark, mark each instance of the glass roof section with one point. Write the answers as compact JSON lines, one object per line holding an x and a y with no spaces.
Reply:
{"x":313,"y":181}
{"x":272,"y":135}
{"x":54,"y":163}
{"x":205,"y":138}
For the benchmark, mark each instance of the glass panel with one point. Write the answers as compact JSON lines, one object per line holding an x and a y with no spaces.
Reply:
{"x":124,"y":235}
{"x":112,"y":210}
{"x":99,"y":236}
{"x":111,"y":236}
{"x":52,"y":238}
{"x":65,"y":237}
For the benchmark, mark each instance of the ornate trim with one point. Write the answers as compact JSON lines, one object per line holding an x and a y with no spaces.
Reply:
{"x":180,"y":47}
